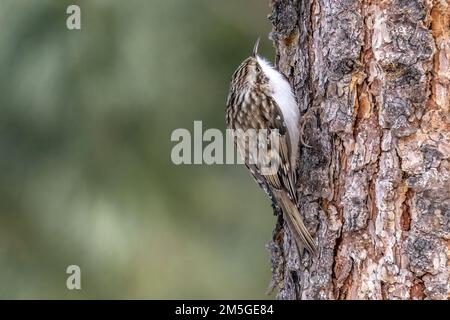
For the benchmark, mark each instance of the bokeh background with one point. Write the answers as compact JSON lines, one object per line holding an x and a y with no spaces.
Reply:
{"x":86,"y":174}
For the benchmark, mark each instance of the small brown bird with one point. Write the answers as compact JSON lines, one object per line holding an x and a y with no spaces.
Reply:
{"x":261,"y":98}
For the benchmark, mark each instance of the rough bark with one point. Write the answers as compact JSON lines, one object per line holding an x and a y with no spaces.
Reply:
{"x":372,"y":80}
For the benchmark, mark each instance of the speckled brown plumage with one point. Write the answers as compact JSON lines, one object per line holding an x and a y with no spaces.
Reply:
{"x":251,"y":105}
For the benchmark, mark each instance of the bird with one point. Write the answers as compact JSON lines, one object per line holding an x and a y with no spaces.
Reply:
{"x":261,"y":98}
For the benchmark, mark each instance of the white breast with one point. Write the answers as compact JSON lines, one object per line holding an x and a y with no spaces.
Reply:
{"x":284,"y":97}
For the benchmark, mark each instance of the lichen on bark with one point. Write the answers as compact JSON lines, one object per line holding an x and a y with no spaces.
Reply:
{"x":372,"y":80}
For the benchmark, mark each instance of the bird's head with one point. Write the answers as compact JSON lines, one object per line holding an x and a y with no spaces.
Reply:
{"x":251,"y":71}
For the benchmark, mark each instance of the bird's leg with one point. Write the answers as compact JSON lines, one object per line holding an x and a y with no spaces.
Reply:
{"x":303,"y":119}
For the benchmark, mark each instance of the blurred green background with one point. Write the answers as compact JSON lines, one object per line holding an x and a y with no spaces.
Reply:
{"x":86,"y":174}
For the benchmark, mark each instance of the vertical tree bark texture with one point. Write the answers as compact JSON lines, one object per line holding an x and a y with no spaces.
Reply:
{"x":372,"y":78}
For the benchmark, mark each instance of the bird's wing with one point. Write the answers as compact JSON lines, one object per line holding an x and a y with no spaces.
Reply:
{"x":268,"y":116}
{"x":262,"y":112}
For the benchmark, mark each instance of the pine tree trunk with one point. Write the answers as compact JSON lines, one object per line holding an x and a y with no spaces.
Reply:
{"x":372,"y":78}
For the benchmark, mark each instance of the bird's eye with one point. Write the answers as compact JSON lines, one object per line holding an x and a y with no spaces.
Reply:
{"x":258,"y":68}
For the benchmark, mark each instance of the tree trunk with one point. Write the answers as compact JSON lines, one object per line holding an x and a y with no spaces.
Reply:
{"x":372,"y":81}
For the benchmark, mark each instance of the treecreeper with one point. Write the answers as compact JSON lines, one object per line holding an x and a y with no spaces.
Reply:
{"x":264,"y":116}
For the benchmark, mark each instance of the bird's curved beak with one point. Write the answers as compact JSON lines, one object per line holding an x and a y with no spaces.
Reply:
{"x":255,"y":48}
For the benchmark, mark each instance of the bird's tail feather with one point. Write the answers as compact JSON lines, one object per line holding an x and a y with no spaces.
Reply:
{"x":295,"y":222}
